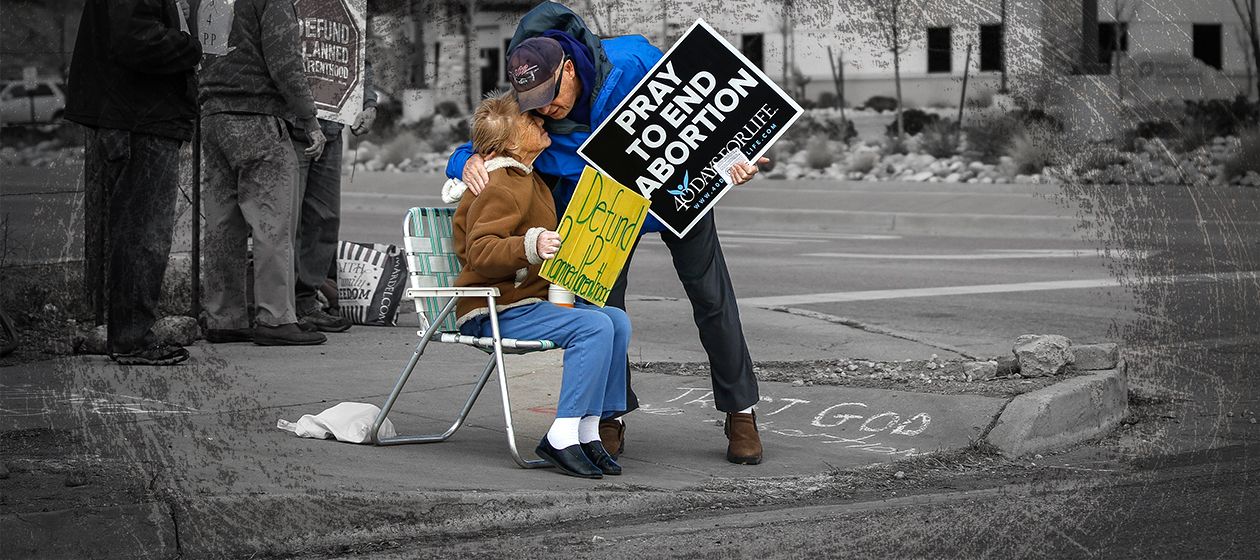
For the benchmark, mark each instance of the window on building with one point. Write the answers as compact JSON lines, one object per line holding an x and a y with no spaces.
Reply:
{"x":940,"y":54}
{"x":1112,"y":37}
{"x":1207,"y":44}
{"x":991,"y":49}
{"x":491,"y":69}
{"x":753,"y":47}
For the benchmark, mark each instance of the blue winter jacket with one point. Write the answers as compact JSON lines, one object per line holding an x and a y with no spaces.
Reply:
{"x":630,"y":58}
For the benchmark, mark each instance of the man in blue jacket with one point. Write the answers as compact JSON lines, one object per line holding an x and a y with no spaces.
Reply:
{"x":567,"y":75}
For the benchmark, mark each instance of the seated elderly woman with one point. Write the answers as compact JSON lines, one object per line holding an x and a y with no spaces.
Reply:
{"x":502,"y":237}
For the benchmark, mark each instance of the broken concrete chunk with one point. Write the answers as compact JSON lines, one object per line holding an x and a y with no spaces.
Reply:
{"x":1040,"y":355}
{"x":1095,"y":357}
{"x":93,"y":341}
{"x":177,"y":330}
{"x":1007,"y":366}
{"x":980,"y":371}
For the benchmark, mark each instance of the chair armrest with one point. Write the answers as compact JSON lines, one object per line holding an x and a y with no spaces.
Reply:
{"x":451,"y":292}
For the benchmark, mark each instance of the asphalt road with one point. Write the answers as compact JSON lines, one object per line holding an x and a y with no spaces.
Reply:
{"x":1173,"y":273}
{"x":1205,"y":507}
{"x":974,"y":292}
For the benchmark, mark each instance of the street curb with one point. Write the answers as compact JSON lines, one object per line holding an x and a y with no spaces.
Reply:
{"x":133,"y":531}
{"x":1068,"y":412}
{"x":907,"y":223}
{"x":321,"y":523}
{"x":1011,"y":226}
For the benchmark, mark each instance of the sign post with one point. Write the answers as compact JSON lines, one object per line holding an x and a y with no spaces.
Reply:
{"x":333,"y":33}
{"x":30,"y":81}
{"x":597,"y":232}
{"x":703,"y":108}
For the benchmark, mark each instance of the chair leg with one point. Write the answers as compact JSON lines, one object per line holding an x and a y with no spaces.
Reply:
{"x":428,"y":335}
{"x":435,"y":438}
{"x":507,"y":402}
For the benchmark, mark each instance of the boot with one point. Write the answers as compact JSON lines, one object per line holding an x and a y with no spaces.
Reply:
{"x":613,"y":435}
{"x":745,"y":444}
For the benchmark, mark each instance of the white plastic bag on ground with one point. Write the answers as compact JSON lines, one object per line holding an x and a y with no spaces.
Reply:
{"x":349,"y":422}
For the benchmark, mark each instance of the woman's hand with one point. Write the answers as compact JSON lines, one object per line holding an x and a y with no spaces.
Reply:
{"x":742,"y":173}
{"x":475,"y":174}
{"x":548,"y":244}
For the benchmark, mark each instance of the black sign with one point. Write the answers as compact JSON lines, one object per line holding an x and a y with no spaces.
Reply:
{"x":702,"y":106}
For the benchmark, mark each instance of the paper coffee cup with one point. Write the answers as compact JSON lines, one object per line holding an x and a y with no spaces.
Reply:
{"x":559,"y":295}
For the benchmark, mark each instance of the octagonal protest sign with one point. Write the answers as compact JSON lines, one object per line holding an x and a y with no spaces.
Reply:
{"x":333,"y":33}
{"x":701,"y":109}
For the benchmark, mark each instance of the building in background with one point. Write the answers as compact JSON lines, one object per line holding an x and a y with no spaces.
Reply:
{"x":453,"y":50}
{"x":1165,"y":48}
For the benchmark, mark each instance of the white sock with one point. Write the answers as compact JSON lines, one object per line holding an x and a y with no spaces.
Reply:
{"x":563,"y":432}
{"x":746,"y":410}
{"x":588,"y":429}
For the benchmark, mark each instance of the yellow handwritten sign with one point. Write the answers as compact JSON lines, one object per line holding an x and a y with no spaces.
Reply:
{"x":597,"y":232}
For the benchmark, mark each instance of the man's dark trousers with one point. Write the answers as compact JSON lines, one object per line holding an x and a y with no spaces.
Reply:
{"x":702,"y":269}
{"x":136,"y":175}
{"x":319,"y":188}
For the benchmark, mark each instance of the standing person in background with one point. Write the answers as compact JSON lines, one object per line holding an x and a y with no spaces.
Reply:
{"x":131,"y":84}
{"x":567,"y":75}
{"x":250,"y":85}
{"x":319,"y":187}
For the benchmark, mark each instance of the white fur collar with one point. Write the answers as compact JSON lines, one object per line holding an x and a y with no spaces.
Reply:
{"x":504,"y":161}
{"x":453,"y":189}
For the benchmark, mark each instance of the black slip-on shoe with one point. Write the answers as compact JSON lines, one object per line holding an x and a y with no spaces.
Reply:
{"x":286,"y":335}
{"x":155,"y":355}
{"x":327,"y":322}
{"x":225,"y":336}
{"x":599,"y":456}
{"x":570,"y":460}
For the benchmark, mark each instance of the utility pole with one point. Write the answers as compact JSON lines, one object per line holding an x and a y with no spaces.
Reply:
{"x":783,"y":32}
{"x":664,"y":26}
{"x":469,"y":42}
{"x":962,"y":100}
{"x":419,"y":63}
{"x":1002,"y":50}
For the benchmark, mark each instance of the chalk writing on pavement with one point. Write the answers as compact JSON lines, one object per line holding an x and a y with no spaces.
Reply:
{"x":848,"y":425}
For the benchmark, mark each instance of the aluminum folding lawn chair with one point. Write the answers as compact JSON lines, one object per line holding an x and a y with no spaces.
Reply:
{"x":432,"y":266}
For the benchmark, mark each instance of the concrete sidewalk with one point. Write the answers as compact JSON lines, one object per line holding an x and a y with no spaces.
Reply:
{"x":204,"y":436}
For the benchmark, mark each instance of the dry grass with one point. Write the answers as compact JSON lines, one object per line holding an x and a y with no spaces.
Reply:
{"x":989,"y":136}
{"x":862,"y":161}
{"x":1030,"y":152}
{"x":400,"y":148}
{"x":818,"y":153}
{"x":1247,"y":158}
{"x":940,"y":139}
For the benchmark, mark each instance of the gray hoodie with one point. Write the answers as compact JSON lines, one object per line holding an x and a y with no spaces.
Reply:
{"x":262,"y":71}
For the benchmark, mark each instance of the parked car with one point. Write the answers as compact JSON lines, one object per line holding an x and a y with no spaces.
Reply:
{"x":44,"y":105}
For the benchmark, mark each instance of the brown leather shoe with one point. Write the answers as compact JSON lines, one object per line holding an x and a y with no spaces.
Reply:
{"x":613,"y":435}
{"x":745,"y":443}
